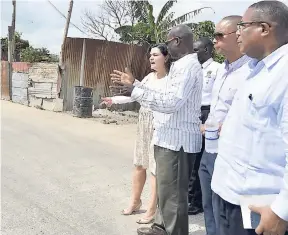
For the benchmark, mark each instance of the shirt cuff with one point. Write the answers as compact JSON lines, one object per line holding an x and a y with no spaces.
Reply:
{"x":137,"y":94}
{"x":280,"y":205}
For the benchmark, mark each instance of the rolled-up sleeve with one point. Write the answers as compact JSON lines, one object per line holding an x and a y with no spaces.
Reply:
{"x":180,"y":86}
{"x":280,"y":205}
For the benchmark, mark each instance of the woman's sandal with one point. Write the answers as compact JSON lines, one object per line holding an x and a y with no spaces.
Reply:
{"x":133,"y":210}
{"x":145,"y":220}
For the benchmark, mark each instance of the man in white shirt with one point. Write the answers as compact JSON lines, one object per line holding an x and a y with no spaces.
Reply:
{"x":229,"y":78}
{"x":253,"y":148}
{"x":204,"y":49}
{"x":177,"y":137}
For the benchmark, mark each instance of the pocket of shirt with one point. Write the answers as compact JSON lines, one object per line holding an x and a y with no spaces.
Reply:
{"x":251,"y":117}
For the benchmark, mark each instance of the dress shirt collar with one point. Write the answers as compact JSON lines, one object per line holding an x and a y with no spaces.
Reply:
{"x":236,"y":64}
{"x":207,"y":63}
{"x":271,"y":59}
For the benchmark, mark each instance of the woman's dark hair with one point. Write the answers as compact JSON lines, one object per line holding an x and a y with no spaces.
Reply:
{"x":164,"y":51}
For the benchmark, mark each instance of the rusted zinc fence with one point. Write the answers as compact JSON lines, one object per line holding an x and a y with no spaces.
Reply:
{"x":101,"y":57}
{"x":33,"y":84}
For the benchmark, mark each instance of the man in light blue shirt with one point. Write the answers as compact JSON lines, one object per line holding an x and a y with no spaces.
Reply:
{"x":229,"y":77}
{"x":253,"y":146}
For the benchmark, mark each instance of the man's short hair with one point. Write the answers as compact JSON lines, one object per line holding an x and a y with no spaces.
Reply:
{"x":273,"y":11}
{"x":206,"y":43}
{"x":233,"y":20}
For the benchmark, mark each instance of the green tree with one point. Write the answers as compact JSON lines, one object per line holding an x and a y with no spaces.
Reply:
{"x":20,"y":44}
{"x":25,"y":52}
{"x":150,"y":29}
{"x":32,"y":55}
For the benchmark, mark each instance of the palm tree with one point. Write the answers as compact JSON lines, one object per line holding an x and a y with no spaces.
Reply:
{"x":150,"y":30}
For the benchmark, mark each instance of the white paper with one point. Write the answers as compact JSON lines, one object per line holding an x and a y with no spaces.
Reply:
{"x":253,"y":200}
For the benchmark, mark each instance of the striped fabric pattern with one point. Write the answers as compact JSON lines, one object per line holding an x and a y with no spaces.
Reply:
{"x":176,"y":109}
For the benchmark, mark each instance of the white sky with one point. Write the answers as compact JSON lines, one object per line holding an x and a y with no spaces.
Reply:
{"x":43,"y":26}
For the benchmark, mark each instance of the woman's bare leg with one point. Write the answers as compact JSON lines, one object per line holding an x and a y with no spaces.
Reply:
{"x":152,"y":205}
{"x":138,"y":182}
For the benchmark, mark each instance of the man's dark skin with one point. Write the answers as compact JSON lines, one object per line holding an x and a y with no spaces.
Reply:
{"x":258,"y":40}
{"x":179,"y":43}
{"x":204,"y":49}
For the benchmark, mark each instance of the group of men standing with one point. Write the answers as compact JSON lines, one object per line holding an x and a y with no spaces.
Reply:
{"x":248,"y":97}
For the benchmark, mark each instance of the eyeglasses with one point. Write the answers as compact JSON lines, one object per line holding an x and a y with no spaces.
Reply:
{"x":243,"y":25}
{"x":172,"y":39}
{"x":219,"y":35}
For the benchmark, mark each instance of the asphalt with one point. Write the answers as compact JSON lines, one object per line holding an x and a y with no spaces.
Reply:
{"x":62,"y":175}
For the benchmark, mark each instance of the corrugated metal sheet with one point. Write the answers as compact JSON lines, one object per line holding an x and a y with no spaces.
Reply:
{"x":21,"y":67}
{"x":18,"y":67}
{"x":100,"y":60}
{"x":4,"y":81}
{"x":43,"y":90}
{"x":20,"y":88}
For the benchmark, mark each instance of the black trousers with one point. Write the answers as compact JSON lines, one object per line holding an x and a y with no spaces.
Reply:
{"x":194,"y":188}
{"x":172,"y":171}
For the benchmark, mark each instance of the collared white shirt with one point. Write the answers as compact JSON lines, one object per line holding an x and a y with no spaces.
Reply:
{"x":253,"y":146}
{"x":177,"y":107}
{"x":210,"y":69}
{"x":229,"y":78}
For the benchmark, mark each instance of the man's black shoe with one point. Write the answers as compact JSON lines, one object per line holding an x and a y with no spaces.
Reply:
{"x":195,"y":211}
{"x":154,"y":230}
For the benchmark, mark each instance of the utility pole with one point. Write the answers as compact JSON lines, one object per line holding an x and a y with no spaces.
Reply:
{"x":10,"y":35}
{"x":11,"y":47}
{"x":82,"y":63}
{"x":13,"y":29}
{"x":66,"y":31}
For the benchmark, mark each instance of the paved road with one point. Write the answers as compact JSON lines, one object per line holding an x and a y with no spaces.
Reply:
{"x":64,"y":176}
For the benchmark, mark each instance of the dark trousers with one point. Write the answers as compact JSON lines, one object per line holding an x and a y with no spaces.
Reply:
{"x":194,"y":187}
{"x":172,"y":171}
{"x":205,"y":174}
{"x":229,"y":218}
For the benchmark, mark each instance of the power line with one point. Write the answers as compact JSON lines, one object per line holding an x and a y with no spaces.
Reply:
{"x":66,"y":17}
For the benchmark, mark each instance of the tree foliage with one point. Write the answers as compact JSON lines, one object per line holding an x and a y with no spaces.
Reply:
{"x":25,"y":52}
{"x":20,"y":44}
{"x":33,"y":55}
{"x":156,"y":28}
{"x":113,"y":14}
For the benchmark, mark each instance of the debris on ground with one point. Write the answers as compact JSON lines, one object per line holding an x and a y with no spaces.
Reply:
{"x":106,"y":116}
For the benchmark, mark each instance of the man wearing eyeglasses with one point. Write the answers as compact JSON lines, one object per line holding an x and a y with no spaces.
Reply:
{"x":177,"y":138}
{"x":253,"y":148}
{"x":229,"y":77}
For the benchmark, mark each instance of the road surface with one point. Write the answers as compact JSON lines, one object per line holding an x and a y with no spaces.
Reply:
{"x":66,"y":176}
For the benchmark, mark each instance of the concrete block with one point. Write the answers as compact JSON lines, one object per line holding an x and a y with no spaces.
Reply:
{"x":35,"y":102}
{"x":48,"y":104}
{"x":58,"y":105}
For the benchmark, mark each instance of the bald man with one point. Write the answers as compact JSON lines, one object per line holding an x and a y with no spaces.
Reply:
{"x":177,"y":137}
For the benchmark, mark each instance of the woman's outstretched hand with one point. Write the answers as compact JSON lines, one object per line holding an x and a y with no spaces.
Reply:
{"x":107,"y":101}
{"x":123,"y":77}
